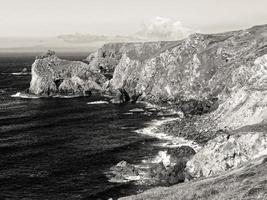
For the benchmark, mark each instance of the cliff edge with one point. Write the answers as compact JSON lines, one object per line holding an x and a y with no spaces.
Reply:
{"x":219,"y":82}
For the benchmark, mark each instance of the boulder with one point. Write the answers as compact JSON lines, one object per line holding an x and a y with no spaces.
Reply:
{"x":124,"y":169}
{"x":121,"y":97}
{"x":174,"y":172}
{"x":183,"y":153}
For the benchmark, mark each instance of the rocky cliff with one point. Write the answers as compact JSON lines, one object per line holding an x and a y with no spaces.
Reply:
{"x":52,"y":76}
{"x":201,"y":67}
{"x":227,"y":70}
{"x":219,"y":82}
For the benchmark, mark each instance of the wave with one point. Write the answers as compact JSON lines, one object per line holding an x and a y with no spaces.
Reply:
{"x":167,"y":140}
{"x":98,"y":102}
{"x":25,"y":96}
{"x":16,"y":73}
{"x":143,"y":168}
{"x":66,"y":96}
{"x":20,"y":73}
{"x":32,"y":96}
{"x":137,"y":110}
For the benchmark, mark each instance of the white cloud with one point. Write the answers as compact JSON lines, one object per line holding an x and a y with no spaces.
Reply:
{"x":157,"y":29}
{"x":161,"y":28}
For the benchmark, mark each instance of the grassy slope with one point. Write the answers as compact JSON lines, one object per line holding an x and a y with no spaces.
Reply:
{"x":247,"y":182}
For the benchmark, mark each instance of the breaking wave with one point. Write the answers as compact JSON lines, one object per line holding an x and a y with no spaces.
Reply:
{"x":98,"y":102}
{"x":167,"y":140}
{"x":25,"y":96}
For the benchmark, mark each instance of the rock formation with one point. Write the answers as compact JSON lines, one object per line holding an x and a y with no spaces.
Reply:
{"x":226,"y":152}
{"x":229,"y":67}
{"x":246,"y":183}
{"x":52,"y":75}
{"x":219,"y":82}
{"x":200,"y":73}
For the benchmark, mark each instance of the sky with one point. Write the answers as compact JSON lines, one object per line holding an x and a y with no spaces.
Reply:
{"x":74,"y":21}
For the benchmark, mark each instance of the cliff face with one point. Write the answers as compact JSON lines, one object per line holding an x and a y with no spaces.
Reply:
{"x":195,"y":68}
{"x":223,"y":76}
{"x":227,"y":70}
{"x":229,"y":67}
{"x":52,"y":75}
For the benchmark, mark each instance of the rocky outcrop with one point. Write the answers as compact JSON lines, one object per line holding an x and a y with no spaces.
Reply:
{"x":52,"y":76}
{"x":219,"y":82}
{"x":123,"y":172}
{"x":227,"y":151}
{"x":200,"y":74}
{"x":168,"y":168}
{"x":174,"y":171}
{"x":247,"y":182}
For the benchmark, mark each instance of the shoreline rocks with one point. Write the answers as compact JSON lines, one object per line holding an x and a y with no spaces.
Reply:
{"x":218,"y":81}
{"x":168,"y":171}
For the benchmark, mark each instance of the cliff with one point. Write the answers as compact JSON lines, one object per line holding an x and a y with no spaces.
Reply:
{"x":226,"y":70}
{"x":201,"y":67}
{"x":52,"y":75}
{"x":219,"y":82}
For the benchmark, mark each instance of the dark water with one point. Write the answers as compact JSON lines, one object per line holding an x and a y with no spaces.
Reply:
{"x":57,"y":148}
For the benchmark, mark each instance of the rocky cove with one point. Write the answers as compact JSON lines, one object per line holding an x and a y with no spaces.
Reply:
{"x":216,"y":82}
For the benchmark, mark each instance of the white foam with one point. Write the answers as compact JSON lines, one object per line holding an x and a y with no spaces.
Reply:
{"x":20,"y":73}
{"x":149,"y":105}
{"x":168,"y":140}
{"x":163,"y":157}
{"x":24,"y":96}
{"x":128,"y":113}
{"x":98,"y":102}
{"x":137,"y":110}
{"x":124,"y":179}
{"x":66,"y":96}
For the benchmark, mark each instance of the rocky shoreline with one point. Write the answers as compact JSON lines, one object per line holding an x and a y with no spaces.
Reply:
{"x":219,"y":84}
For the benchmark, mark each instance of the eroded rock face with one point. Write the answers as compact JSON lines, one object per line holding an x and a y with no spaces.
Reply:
{"x":52,"y":75}
{"x":226,"y":152}
{"x":174,"y":171}
{"x":123,"y":170}
{"x":229,"y":67}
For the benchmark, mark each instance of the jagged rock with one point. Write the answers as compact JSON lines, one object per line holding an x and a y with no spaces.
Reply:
{"x":123,"y":170}
{"x":183,"y":153}
{"x":230,"y":67}
{"x":226,"y":152}
{"x":195,"y":107}
{"x":52,"y":75}
{"x":174,"y":172}
{"x":121,"y":97}
{"x":247,"y":182}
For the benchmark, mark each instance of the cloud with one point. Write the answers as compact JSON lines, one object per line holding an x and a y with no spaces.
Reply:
{"x":159,"y":28}
{"x":90,"y":38}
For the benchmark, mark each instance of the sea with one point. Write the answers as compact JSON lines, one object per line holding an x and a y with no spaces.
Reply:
{"x":64,"y":148}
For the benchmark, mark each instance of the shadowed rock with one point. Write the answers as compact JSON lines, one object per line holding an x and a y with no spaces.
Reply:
{"x":247,"y":182}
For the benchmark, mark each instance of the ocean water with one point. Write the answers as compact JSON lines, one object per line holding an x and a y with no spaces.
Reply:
{"x":63,"y":148}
